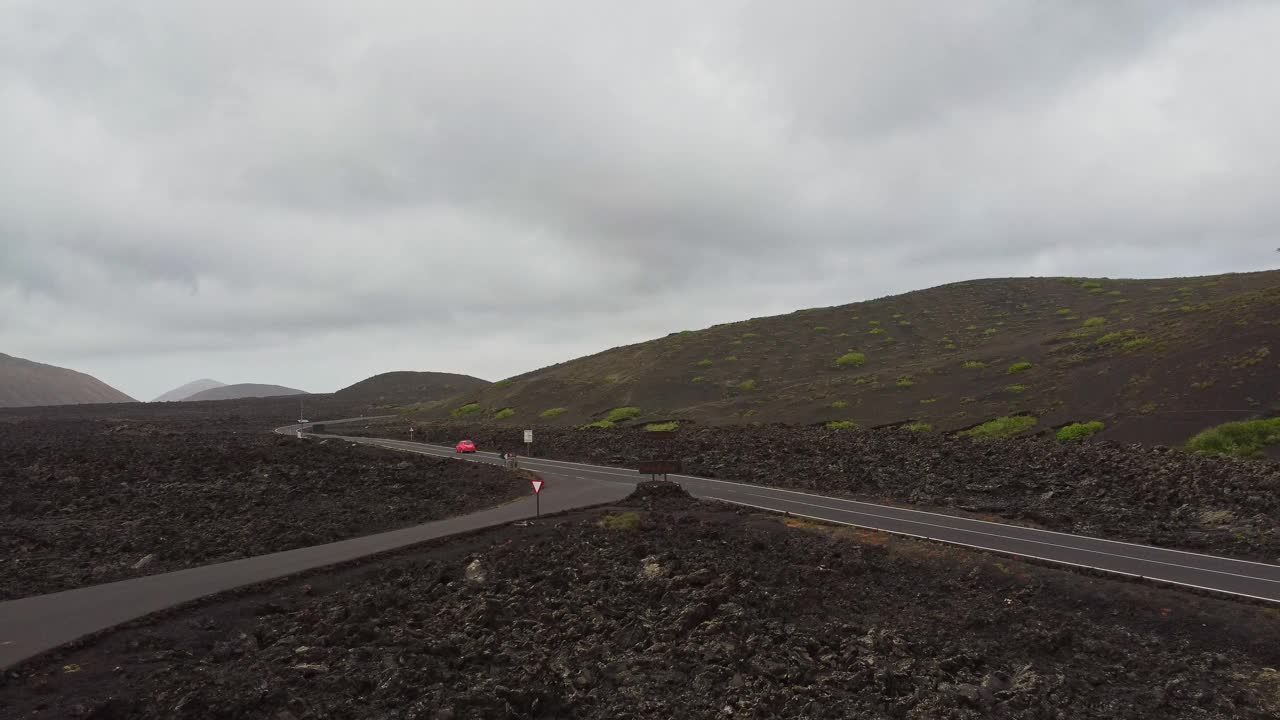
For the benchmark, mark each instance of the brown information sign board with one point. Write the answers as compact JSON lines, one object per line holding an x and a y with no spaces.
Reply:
{"x":659,"y":467}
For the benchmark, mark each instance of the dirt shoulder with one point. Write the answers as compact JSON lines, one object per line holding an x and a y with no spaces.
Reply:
{"x":85,"y":502}
{"x":1149,"y":495}
{"x":665,"y":607}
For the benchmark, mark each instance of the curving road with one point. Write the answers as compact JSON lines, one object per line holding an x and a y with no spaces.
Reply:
{"x":1244,"y":578}
{"x":33,"y":625}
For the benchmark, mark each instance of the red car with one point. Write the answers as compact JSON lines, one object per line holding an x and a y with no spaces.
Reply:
{"x":465,"y":446}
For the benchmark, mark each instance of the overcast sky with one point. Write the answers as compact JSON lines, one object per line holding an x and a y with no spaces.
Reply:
{"x":308,"y":193}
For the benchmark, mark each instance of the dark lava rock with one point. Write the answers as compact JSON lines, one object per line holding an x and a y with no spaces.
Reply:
{"x":85,"y":502}
{"x":709,"y":614}
{"x":665,"y":492}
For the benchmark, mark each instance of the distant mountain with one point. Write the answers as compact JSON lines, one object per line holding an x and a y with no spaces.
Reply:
{"x":244,"y":390}
{"x":191,"y":388}
{"x":407,"y":387}
{"x":24,"y":383}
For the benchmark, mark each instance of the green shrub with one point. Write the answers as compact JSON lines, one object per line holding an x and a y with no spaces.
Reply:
{"x":749,"y":335}
{"x":699,"y":379}
{"x":1095,"y":322}
{"x":623,"y":521}
{"x":1018,"y":367}
{"x":503,"y":383}
{"x":464,"y":410}
{"x":553,"y":412}
{"x":1016,"y":388}
{"x":1001,"y":427}
{"x":599,"y":424}
{"x":820,"y":328}
{"x":1079,"y":431}
{"x":990,"y":331}
{"x":973,"y":365}
{"x":873,"y":323}
{"x":904,"y":323}
{"x":1091,"y":285}
{"x":1115,"y":293}
{"x":840,"y":404}
{"x":731,"y":358}
{"x":620,"y":414}
{"x":851,"y":360}
{"x":1064,"y":311}
{"x":1113,"y":337}
{"x":972,"y":327}
{"x":949,"y":346}
{"x":905,"y":382}
{"x":1238,"y":439}
{"x":928,"y":401}
{"x":704,"y":363}
{"x":746,"y":385}
{"x":504,"y":413}
{"x":877,"y":331}
{"x":918,"y":427}
{"x":842,"y":425}
{"x":1136,"y":343}
{"x":662,"y":427}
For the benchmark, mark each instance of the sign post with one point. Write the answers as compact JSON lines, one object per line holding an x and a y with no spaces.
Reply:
{"x":537,"y":494}
{"x":528,"y":443}
{"x":654,"y":468}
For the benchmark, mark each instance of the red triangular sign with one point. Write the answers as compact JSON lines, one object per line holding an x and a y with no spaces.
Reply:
{"x":537,"y":486}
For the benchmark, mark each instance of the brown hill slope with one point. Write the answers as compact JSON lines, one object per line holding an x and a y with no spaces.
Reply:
{"x":1155,"y":359}
{"x":407,"y":387}
{"x":243,"y":390}
{"x":24,"y":383}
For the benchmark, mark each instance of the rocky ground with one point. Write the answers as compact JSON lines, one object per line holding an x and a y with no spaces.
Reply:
{"x":664,"y":607}
{"x":1144,"y":494}
{"x":90,"y":501}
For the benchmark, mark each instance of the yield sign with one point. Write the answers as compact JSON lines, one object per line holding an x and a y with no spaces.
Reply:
{"x":537,"y":486}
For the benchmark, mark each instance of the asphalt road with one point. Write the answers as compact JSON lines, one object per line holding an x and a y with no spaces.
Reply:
{"x":32,"y":625}
{"x":1236,"y":577}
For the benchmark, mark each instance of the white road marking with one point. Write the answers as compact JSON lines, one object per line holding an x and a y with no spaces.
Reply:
{"x":1005,"y":552}
{"x":1017,"y":539}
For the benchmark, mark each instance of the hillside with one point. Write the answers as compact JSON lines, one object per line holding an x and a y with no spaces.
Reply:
{"x":191,"y":388}
{"x":1156,"y":360}
{"x":408,"y":387}
{"x":244,"y":390}
{"x":24,"y":383}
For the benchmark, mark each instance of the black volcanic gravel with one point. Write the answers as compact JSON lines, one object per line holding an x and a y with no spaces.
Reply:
{"x":667,"y":608}
{"x":84,"y":502}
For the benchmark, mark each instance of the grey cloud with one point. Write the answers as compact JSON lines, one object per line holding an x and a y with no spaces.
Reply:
{"x":498,"y":186}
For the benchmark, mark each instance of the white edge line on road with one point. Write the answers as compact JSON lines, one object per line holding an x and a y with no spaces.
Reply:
{"x":910,"y":510}
{"x":1016,"y":539}
{"x":1004,"y":552}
